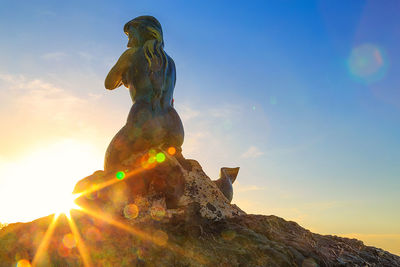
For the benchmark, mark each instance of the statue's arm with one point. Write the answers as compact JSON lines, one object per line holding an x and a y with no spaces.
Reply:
{"x":114,"y":77}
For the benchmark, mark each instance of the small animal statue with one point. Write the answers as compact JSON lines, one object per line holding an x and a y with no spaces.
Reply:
{"x":227,"y":178}
{"x":150,"y":75}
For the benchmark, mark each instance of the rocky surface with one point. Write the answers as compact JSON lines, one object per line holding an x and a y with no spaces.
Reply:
{"x":174,"y":185}
{"x":246,"y":240}
{"x":134,"y":222}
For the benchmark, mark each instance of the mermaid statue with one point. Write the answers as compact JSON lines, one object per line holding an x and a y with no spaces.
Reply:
{"x":152,"y":125}
{"x":150,"y":75}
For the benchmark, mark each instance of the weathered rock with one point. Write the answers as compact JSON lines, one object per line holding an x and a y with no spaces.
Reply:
{"x":246,"y":240}
{"x":200,"y":189}
{"x":177,"y":182}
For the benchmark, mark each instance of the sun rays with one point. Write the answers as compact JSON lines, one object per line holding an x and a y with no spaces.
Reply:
{"x":80,"y":244}
{"x":45,"y":177}
{"x":159,"y":237}
{"x":45,"y":242}
{"x":68,"y":205}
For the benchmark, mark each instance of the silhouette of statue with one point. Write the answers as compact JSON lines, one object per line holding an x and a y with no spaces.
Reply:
{"x":152,"y":126}
{"x":150,"y":75}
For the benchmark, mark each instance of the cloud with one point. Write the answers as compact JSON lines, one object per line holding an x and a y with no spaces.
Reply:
{"x":210,"y":134}
{"x":238,"y":187}
{"x":201,"y":128}
{"x":86,"y":56}
{"x":252,"y":152}
{"x":30,"y":97}
{"x":55,"y":56}
{"x":34,"y":112}
{"x":225,"y":111}
{"x":187,"y":113}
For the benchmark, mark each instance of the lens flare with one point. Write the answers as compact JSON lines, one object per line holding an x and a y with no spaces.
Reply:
{"x":152,"y":152}
{"x":171,"y":150}
{"x":68,"y":204}
{"x":23,"y":263}
{"x":69,"y":241}
{"x":131,"y":211}
{"x":151,"y":159}
{"x":160,"y":157}
{"x":120,"y":175}
{"x":367,"y":63}
{"x":273,"y":100}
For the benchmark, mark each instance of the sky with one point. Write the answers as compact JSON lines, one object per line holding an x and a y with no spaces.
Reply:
{"x":304,"y":96}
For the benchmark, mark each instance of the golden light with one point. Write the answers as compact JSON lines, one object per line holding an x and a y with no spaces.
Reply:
{"x":171,"y":150}
{"x":66,"y":204}
{"x":41,"y":182}
{"x":23,"y":263}
{"x":44,"y":181}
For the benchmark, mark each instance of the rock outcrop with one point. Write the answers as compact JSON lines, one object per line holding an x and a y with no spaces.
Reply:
{"x":173,"y":185}
{"x":134,"y":222}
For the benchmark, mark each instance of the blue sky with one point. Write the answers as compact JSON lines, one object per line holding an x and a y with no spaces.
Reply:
{"x":302,"y":95}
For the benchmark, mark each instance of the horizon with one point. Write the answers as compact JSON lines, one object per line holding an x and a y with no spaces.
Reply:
{"x":304,"y":98}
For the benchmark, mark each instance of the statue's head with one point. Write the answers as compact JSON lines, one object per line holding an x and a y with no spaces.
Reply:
{"x":141,"y":29}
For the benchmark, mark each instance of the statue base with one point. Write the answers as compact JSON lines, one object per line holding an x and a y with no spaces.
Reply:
{"x":155,"y":191}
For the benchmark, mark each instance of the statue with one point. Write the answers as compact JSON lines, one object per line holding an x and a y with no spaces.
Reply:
{"x":150,"y":75}
{"x":153,"y":127}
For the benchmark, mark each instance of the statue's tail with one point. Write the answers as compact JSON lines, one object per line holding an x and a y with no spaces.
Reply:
{"x":227,"y":177}
{"x":230,"y":173}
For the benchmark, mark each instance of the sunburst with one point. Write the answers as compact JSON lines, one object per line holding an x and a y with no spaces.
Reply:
{"x":69,"y":205}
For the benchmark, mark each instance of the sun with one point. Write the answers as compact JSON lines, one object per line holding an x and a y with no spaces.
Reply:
{"x":41,"y":183}
{"x":65,"y":205}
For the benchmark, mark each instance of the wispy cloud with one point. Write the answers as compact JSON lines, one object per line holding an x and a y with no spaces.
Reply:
{"x":55,"y":56}
{"x":210,"y":134}
{"x":36,"y":111}
{"x":202,"y":126}
{"x":238,"y":187}
{"x":252,"y":152}
{"x":86,"y":56}
{"x":187,"y":113}
{"x":36,"y":96}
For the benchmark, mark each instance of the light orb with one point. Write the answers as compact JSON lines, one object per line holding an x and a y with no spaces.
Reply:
{"x":367,"y":63}
{"x":160,"y":157}
{"x":120,"y":175}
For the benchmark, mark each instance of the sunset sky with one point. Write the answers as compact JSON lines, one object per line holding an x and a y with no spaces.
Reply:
{"x":304,"y":96}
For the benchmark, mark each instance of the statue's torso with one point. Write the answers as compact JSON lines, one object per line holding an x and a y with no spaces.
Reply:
{"x":144,"y":84}
{"x":152,"y":120}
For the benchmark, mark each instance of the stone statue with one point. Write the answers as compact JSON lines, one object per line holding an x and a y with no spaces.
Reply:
{"x":152,"y":128}
{"x":150,"y":75}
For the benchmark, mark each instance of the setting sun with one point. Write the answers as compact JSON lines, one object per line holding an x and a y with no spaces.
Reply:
{"x":41,"y":183}
{"x":67,"y":203}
